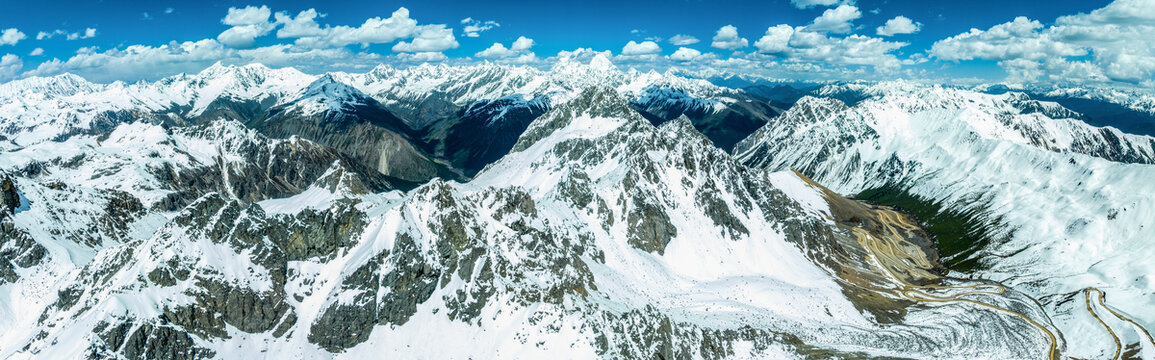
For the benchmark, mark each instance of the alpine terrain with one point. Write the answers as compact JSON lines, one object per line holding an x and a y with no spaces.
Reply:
{"x":579,"y":210}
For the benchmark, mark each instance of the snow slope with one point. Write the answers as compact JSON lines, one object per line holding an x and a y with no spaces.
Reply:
{"x":1071,"y":206}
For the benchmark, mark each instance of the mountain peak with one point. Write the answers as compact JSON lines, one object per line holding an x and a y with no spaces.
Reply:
{"x":593,"y":102}
{"x":601,"y":62}
{"x":328,"y":94}
{"x":60,"y":85}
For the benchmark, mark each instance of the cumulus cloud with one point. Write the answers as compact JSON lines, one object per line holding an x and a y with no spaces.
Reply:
{"x":776,"y":40}
{"x":302,"y":25}
{"x":520,"y":47}
{"x":430,"y":38}
{"x":11,"y":37}
{"x":688,"y":54}
{"x":796,"y":45}
{"x":138,"y":62}
{"x":683,"y":40}
{"x":898,"y":25}
{"x":584,"y":55}
{"x":249,"y":15}
{"x":248,"y":24}
{"x":374,"y":31}
{"x":473,"y":28}
{"x":10,"y":65}
{"x":522,"y":43}
{"x":633,"y":48}
{"x":133,"y":60}
{"x":314,"y":47}
{"x":727,"y":39}
{"x":495,"y":51}
{"x":242,"y":37}
{"x":36,"y":52}
{"x":806,"y":4}
{"x":1110,"y":44}
{"x":837,"y":20}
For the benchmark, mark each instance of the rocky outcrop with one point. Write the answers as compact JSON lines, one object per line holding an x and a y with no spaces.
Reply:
{"x":270,"y":169}
{"x":9,"y":198}
{"x":336,"y":115}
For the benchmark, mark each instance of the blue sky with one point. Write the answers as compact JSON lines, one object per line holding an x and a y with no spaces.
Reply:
{"x":1056,"y":42}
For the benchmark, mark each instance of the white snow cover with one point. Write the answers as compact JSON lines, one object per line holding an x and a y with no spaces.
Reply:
{"x":1072,"y":219}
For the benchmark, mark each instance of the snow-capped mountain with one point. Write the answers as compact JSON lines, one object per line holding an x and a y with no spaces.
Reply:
{"x":598,"y":235}
{"x":577,"y":211}
{"x":338,"y":115}
{"x":1065,"y":206}
{"x":443,"y":108}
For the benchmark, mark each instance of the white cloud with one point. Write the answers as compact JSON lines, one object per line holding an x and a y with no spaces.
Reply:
{"x":244,"y":36}
{"x":303,"y":25}
{"x":633,"y":48}
{"x":776,"y":40}
{"x":10,"y":65}
{"x":522,"y":43}
{"x":683,"y":40}
{"x":584,"y":55}
{"x":374,"y":31}
{"x":88,"y":33}
{"x":48,"y":35}
{"x":495,"y":51}
{"x":473,"y":28}
{"x":145,"y":16}
{"x":836,"y":20}
{"x":520,"y":47}
{"x":805,"y":4}
{"x":430,"y":38}
{"x":138,"y":62}
{"x":248,"y":24}
{"x":249,"y":15}
{"x":518,"y":50}
{"x":168,"y":10}
{"x":899,"y":25}
{"x":424,"y":57}
{"x":1019,"y":38}
{"x":795,"y":45}
{"x":851,"y":50}
{"x":727,"y":39}
{"x":1110,"y":44}
{"x":11,"y":37}
{"x":36,"y":52}
{"x":688,"y":54}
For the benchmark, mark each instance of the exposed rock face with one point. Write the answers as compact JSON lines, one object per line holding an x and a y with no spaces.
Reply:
{"x":9,"y":198}
{"x":141,"y":341}
{"x":339,"y":116}
{"x":269,"y":169}
{"x":972,"y":162}
{"x":599,"y":235}
{"x":17,"y":251}
{"x":724,"y":121}
{"x":484,"y":131}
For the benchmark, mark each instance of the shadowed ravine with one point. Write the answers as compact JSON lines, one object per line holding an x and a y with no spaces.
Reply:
{"x":880,"y":230}
{"x":888,"y":237}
